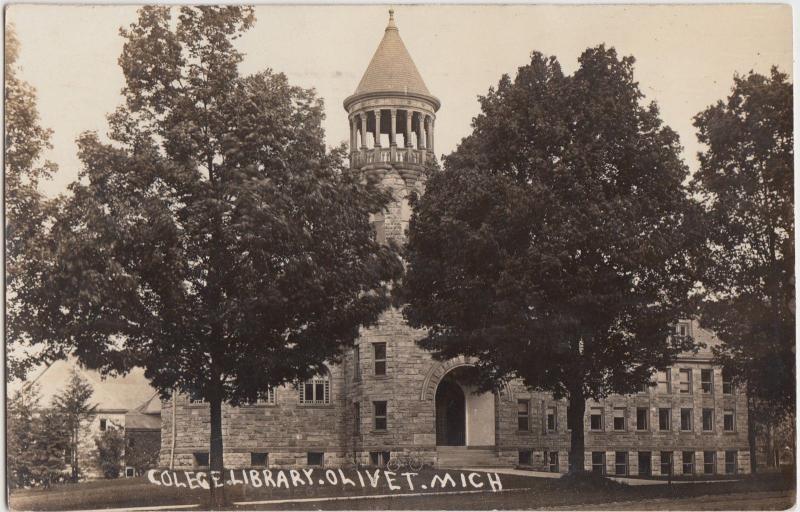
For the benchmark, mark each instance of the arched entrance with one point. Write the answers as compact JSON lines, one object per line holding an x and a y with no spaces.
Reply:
{"x":451,"y":414}
{"x":464,"y":416}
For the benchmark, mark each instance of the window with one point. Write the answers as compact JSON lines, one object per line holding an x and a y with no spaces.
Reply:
{"x":664,"y":381}
{"x":315,"y":458}
{"x":619,"y":419}
{"x":596,"y":419}
{"x":380,"y":358}
{"x":727,"y":382}
{"x":682,"y":329}
{"x":357,"y":363}
{"x":666,"y":463}
{"x":621,"y":463}
{"x":380,"y":415}
{"x":707,"y":381}
{"x":103,"y":424}
{"x":525,"y":457}
{"x":664,"y":419}
{"x":686,"y":381}
{"x":709,"y":459}
{"x":379,"y":459}
{"x":730,"y":462}
{"x":708,"y":420}
{"x":728,"y":421}
{"x":258,"y":459}
{"x":688,"y":463}
{"x":316,"y":391}
{"x":552,"y":462}
{"x":551,"y":419}
{"x":130,"y":472}
{"x":201,"y":459}
{"x":599,"y":463}
{"x":686,"y":420}
{"x":356,"y":418}
{"x":267,"y":398}
{"x":645,"y":465}
{"x":523,"y":415}
{"x":68,"y":455}
{"x":641,"y":418}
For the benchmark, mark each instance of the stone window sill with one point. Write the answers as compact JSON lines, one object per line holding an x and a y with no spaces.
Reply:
{"x":316,"y":406}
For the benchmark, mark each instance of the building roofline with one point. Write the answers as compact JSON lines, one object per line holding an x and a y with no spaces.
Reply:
{"x":433,"y":100}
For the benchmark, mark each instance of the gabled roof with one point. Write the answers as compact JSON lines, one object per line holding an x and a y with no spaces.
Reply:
{"x":391,"y":68}
{"x":121,"y":393}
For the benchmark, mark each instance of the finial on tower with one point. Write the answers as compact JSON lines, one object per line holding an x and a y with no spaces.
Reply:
{"x":391,"y":24}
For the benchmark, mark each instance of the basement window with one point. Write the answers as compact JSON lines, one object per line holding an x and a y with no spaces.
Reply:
{"x":201,"y":459}
{"x":258,"y":459}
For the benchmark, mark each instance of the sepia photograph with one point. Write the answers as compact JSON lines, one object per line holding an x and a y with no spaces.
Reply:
{"x":399,"y":257}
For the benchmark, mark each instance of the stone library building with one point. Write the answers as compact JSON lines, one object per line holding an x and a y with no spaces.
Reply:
{"x":389,"y":396}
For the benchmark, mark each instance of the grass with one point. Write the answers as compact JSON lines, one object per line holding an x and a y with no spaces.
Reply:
{"x":543,"y":492}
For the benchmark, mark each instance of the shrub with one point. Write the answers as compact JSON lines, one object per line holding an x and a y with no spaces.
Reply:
{"x":110,"y":448}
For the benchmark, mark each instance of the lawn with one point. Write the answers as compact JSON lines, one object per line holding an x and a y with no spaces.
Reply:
{"x":520,"y":492}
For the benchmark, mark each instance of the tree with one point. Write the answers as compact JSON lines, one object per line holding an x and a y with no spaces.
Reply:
{"x":556,"y":244}
{"x":110,"y":448}
{"x":746,"y":183}
{"x":74,"y":408}
{"x":49,"y":444}
{"x":213,"y":242}
{"x":20,"y":420}
{"x":27,"y":211}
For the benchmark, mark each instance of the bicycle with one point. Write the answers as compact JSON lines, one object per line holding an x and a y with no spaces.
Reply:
{"x":408,"y":460}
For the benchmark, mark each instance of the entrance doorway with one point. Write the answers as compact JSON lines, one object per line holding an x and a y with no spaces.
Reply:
{"x":451,"y":414}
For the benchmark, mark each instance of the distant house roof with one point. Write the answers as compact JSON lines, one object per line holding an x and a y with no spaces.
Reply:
{"x":120,"y":393}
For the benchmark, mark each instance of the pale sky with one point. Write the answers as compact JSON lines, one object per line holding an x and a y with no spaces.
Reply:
{"x":686,"y":56}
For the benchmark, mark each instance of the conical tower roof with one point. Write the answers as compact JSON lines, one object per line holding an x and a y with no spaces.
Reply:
{"x":391,"y":69}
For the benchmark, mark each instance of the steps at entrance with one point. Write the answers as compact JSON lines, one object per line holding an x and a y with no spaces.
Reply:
{"x":454,"y":457}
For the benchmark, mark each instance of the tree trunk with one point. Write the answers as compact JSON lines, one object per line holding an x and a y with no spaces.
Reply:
{"x":75,"y":453}
{"x":575,"y":412}
{"x":215,"y":454}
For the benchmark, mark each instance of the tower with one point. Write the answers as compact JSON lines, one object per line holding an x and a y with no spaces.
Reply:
{"x":392,"y":116}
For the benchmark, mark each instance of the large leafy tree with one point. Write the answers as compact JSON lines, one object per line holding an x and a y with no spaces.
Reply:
{"x":555,"y":246}
{"x":213,"y":241}
{"x":746,"y":182}
{"x":27,"y":211}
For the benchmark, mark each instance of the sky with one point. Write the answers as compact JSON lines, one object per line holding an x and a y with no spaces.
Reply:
{"x":686,"y":56}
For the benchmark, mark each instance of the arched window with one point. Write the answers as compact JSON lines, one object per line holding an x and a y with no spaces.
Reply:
{"x":316,"y":390}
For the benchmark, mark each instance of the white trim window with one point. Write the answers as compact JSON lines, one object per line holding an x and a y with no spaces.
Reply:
{"x":316,"y":390}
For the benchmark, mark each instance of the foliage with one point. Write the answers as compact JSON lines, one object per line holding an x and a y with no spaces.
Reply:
{"x":110,"y":450}
{"x":20,"y":421}
{"x":50,"y":441}
{"x":142,"y":450}
{"x":556,"y":246}
{"x":213,"y":242}
{"x":746,"y":182}
{"x":27,"y":211}
{"x":74,"y":409}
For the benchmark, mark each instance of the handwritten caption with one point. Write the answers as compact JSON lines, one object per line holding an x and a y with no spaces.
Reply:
{"x":308,"y":477}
